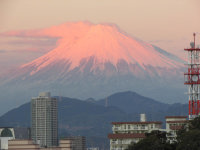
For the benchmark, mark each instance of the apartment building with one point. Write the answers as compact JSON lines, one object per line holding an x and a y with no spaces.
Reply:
{"x":44,"y":120}
{"x":125,"y":133}
{"x":173,"y":125}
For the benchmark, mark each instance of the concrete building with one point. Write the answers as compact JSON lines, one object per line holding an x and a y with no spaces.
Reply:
{"x":44,"y":120}
{"x":173,"y":125}
{"x":10,"y":133}
{"x":6,"y":134}
{"x":22,"y":145}
{"x":78,"y":142}
{"x":93,"y":148}
{"x":30,"y":145}
{"x":66,"y":144}
{"x":125,"y":133}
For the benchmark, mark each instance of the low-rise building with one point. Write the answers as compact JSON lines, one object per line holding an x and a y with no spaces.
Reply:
{"x":173,"y":125}
{"x":6,"y":134}
{"x":66,"y":144}
{"x":125,"y":133}
{"x":30,"y":145}
{"x":78,"y":142}
{"x":93,"y":148}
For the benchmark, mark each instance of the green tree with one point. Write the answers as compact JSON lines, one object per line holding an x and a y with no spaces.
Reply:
{"x":189,"y":138}
{"x":194,"y":124}
{"x":155,"y":140}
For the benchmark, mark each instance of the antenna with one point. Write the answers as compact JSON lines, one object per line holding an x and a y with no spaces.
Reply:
{"x":194,"y":34}
{"x":192,"y":79}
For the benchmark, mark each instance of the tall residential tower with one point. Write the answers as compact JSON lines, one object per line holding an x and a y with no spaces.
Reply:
{"x":44,"y":120}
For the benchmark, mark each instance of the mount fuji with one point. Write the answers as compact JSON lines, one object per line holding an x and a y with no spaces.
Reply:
{"x":94,"y":60}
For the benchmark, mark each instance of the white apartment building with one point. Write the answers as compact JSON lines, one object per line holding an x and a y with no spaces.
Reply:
{"x":125,"y":133}
{"x":173,"y":125}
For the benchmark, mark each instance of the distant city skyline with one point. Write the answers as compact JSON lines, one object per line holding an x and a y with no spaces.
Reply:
{"x":168,"y":24}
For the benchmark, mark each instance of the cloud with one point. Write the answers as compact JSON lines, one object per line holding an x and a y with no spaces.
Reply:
{"x":59,"y":31}
{"x":28,"y":44}
{"x":2,"y":51}
{"x":33,"y":41}
{"x":161,"y":41}
{"x":43,"y":40}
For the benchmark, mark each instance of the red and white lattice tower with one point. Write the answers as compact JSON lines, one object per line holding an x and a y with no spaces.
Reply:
{"x":192,"y":79}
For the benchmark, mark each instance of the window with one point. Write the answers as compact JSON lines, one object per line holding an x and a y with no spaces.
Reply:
{"x":124,"y":126}
{"x":143,"y":127}
{"x":151,"y":126}
{"x":135,"y":126}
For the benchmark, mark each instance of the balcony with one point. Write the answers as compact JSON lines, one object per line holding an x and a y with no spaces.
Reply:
{"x":116,"y":128}
{"x":143,"y":128}
{"x":124,"y":142}
{"x":116,"y":142}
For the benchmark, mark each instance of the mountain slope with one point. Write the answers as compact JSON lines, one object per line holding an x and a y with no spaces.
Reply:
{"x":100,"y":43}
{"x":126,"y":100}
{"x":135,"y":104}
{"x":94,"y":60}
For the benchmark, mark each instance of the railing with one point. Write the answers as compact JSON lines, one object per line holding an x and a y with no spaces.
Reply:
{"x":115,"y":128}
{"x":120,"y":142}
{"x":116,"y":142}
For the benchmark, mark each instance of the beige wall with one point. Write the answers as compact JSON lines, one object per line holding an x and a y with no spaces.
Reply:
{"x":29,"y":145}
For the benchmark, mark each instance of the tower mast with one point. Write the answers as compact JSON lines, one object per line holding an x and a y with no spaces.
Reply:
{"x":192,"y":79}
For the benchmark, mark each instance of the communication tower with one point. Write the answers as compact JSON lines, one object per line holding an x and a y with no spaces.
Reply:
{"x":192,"y":79}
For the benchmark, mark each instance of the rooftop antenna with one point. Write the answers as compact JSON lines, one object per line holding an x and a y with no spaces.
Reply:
{"x":194,"y":34}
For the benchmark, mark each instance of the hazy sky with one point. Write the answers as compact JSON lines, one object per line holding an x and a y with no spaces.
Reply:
{"x":168,"y":24}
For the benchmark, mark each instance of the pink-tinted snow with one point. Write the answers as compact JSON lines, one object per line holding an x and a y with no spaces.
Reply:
{"x":104,"y":42}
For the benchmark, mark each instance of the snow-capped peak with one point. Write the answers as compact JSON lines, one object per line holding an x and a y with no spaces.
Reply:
{"x":104,"y":42}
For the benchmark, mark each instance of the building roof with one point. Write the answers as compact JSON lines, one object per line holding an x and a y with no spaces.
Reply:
{"x":6,"y":132}
{"x":147,"y":122}
{"x":176,"y":117}
{"x":126,"y":135}
{"x":178,"y":121}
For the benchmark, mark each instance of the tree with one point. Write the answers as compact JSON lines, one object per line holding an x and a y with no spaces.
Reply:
{"x":190,"y":139}
{"x":195,"y":124}
{"x":156,"y":140}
